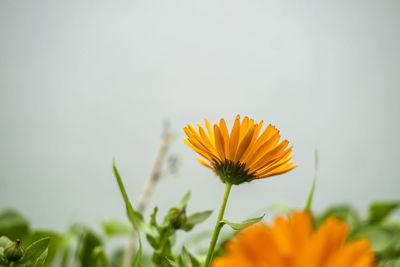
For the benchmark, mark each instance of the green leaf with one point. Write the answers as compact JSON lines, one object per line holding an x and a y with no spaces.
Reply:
{"x":13,"y":224}
{"x":311,"y":194}
{"x":42,"y":258}
{"x":185,"y":257}
{"x":35,"y":250}
{"x":89,"y":241}
{"x":183,"y":202}
{"x":136,"y":261}
{"x":379,"y":237}
{"x":240,"y":225}
{"x":134,"y":216}
{"x":378,"y":211}
{"x":342,"y":211}
{"x":173,"y":263}
{"x":196,"y":218}
{"x":188,"y":260}
{"x":115,"y":228}
{"x":153,"y":217}
{"x":100,"y":257}
{"x":54,"y":244}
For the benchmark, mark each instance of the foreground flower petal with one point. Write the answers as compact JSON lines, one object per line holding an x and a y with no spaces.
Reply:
{"x":291,"y":242}
{"x":244,"y":154}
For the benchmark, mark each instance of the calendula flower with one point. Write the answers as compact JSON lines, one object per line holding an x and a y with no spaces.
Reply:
{"x":291,"y":242}
{"x":247,"y":153}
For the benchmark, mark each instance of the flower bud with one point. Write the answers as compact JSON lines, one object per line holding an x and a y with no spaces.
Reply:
{"x":14,"y":250}
{"x":176,"y":217}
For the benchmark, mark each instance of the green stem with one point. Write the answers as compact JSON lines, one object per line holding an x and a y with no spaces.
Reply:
{"x":218,"y":226}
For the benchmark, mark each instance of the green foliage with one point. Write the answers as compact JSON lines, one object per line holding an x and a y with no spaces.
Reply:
{"x":115,"y":228}
{"x":345,"y":212}
{"x":311,"y":194}
{"x":380,"y":210}
{"x":134,"y":216}
{"x":164,"y":239}
{"x":36,"y":253}
{"x":89,"y":247}
{"x":242,"y":224}
{"x":81,"y":246}
{"x":383,"y":232}
{"x":13,"y":225}
{"x":161,"y":236}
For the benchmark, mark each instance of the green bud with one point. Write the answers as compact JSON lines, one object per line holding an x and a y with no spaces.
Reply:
{"x":14,"y":250}
{"x":176,"y":217}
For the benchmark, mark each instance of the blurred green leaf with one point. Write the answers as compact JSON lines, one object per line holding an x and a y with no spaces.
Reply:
{"x":153,"y":217}
{"x":343,"y":211}
{"x":134,"y":216}
{"x":196,"y":218}
{"x":311,"y":194}
{"x":115,"y":228}
{"x":41,"y":260}
{"x":13,"y":224}
{"x":183,"y":202}
{"x":54,"y":244}
{"x":240,"y":225}
{"x":35,"y":250}
{"x":88,"y":243}
{"x":390,"y":263}
{"x":187,"y":259}
{"x":378,"y":211}
{"x":99,"y":257}
{"x":379,"y":237}
{"x":117,"y":257}
{"x":173,"y":263}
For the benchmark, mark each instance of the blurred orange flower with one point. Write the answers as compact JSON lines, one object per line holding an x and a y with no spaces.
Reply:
{"x":244,"y":154}
{"x":291,"y":242}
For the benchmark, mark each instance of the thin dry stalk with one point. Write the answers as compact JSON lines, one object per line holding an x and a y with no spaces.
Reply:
{"x":148,"y":191}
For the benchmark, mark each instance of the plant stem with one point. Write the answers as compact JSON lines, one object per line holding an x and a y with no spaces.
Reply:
{"x":218,"y":226}
{"x":148,"y":191}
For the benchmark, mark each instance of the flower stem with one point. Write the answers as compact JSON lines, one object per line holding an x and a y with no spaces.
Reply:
{"x":218,"y":226}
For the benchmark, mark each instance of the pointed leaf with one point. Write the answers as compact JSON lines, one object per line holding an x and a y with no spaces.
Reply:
{"x":134,"y":216}
{"x":35,"y":250}
{"x":183,"y":202}
{"x":153,"y":217}
{"x":380,"y":210}
{"x":311,"y":194}
{"x":196,"y":218}
{"x":240,"y":225}
{"x":42,"y":258}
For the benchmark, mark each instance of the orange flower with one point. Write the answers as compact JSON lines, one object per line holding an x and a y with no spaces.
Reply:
{"x":292,"y":243}
{"x":244,"y":154}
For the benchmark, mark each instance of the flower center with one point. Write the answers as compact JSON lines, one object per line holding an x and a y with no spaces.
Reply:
{"x":233,"y":172}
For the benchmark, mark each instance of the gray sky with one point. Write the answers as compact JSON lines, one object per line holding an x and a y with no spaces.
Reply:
{"x":83,"y":81}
